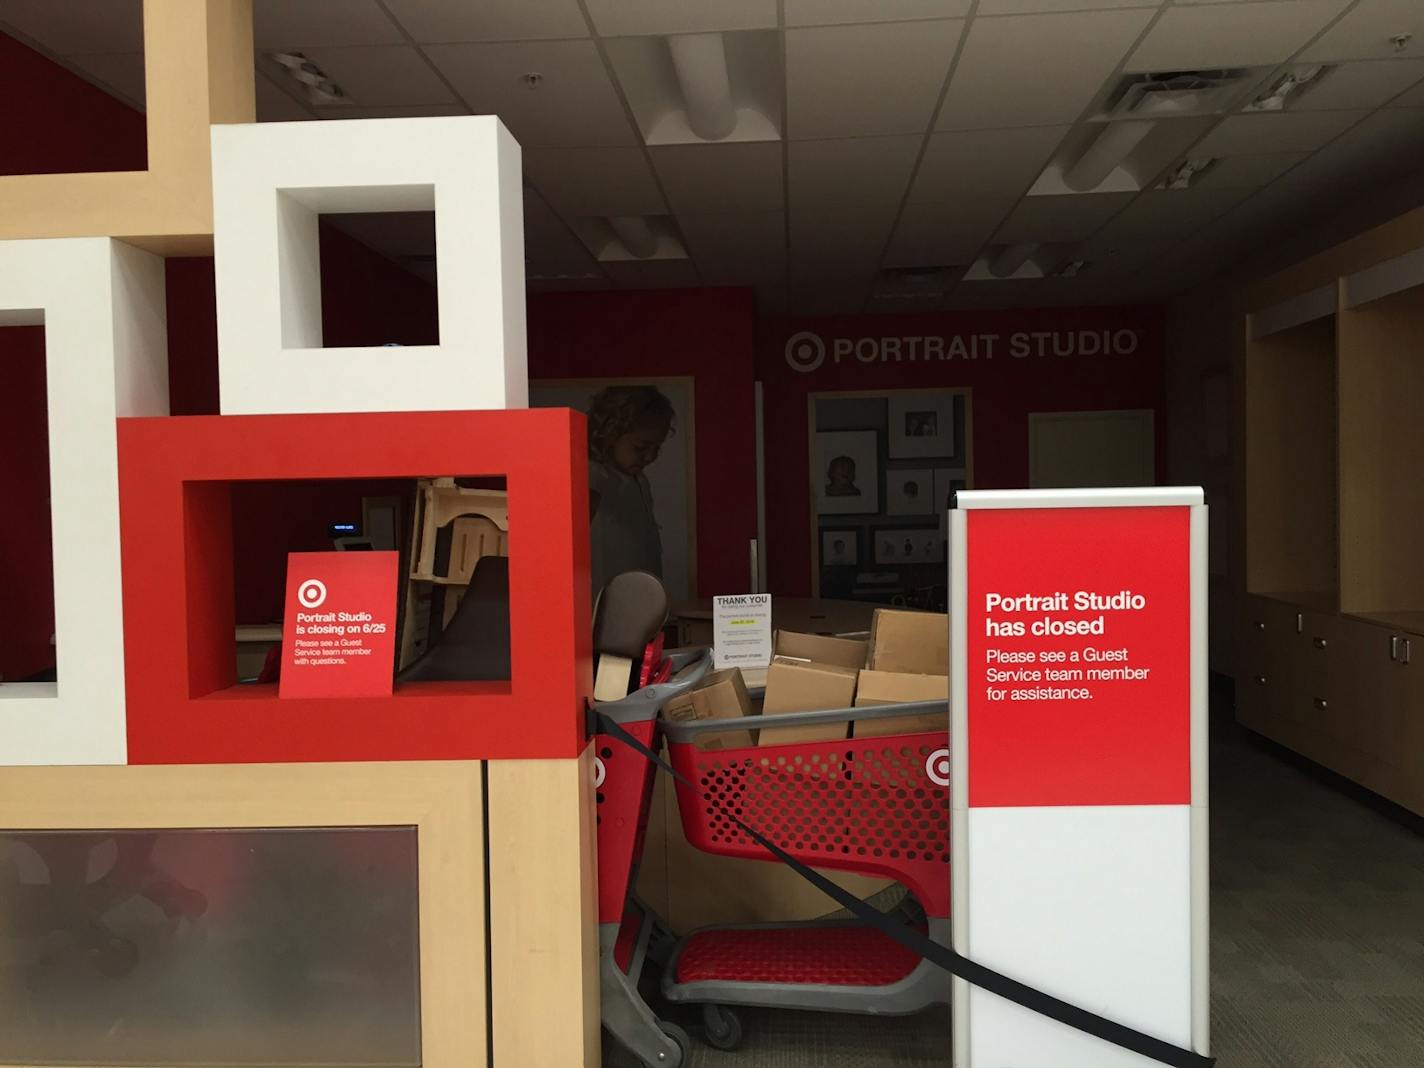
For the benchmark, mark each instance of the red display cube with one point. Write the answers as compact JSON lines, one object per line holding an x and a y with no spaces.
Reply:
{"x":184,"y":704}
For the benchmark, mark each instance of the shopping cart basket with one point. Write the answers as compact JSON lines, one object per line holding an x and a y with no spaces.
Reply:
{"x":876,"y":806}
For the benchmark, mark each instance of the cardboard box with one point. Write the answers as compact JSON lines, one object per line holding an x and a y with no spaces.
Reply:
{"x":722,"y":695}
{"x":912,"y":643}
{"x":888,"y":688}
{"x":799,"y":686}
{"x":821,"y":649}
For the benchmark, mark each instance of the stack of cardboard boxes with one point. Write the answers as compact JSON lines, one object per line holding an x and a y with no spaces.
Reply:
{"x":906,"y":658}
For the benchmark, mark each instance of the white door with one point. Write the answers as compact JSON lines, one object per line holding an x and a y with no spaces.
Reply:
{"x":1074,"y":450}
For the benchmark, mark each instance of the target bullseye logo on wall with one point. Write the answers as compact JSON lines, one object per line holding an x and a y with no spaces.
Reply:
{"x":339,"y":634}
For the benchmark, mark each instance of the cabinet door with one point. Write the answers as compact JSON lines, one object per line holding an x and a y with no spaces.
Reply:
{"x":1266,"y":644}
{"x":1365,"y":689}
{"x":1399,"y":772}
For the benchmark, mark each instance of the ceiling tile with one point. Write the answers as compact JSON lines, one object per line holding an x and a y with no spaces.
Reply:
{"x":1388,"y":143}
{"x":382,"y":75}
{"x":652,"y":274}
{"x":550,"y":247}
{"x":874,"y":170}
{"x":122,"y":72}
{"x":1036,"y":70}
{"x":1412,"y":99}
{"x":1247,"y":172}
{"x":620,"y":18}
{"x":1231,"y":35}
{"x":274,"y":105}
{"x":1365,"y":32}
{"x":1287,"y":131}
{"x":842,"y":12}
{"x":1039,"y":7}
{"x":1053,"y":220}
{"x":736,"y":247}
{"x":451,"y":21}
{"x":849,"y":81}
{"x":76,"y":27}
{"x":594,"y":181}
{"x":716,"y":178}
{"x":1164,"y":215}
{"x":968,"y":163}
{"x":944,"y":234}
{"x":1013,"y":293}
{"x":575,"y":103}
{"x":1361,"y":85}
{"x":282,"y":24}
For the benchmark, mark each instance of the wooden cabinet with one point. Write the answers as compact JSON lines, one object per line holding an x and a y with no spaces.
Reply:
{"x":1343,"y":692}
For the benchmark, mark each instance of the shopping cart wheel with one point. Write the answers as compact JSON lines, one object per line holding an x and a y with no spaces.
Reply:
{"x":723,"y":1027}
{"x":684,"y":1044}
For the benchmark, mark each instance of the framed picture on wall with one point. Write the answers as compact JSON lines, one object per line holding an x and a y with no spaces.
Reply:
{"x":910,"y":492}
{"x":921,"y":424}
{"x":840,"y":548}
{"x":671,"y":475}
{"x":845,"y":471}
{"x":908,"y":546}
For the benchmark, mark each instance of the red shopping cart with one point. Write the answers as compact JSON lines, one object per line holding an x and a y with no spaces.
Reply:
{"x":875,"y":806}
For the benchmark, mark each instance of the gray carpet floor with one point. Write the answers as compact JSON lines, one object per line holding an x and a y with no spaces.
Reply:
{"x":1317,"y":939}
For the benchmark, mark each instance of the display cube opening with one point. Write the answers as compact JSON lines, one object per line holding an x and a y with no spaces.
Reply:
{"x":179,"y":478}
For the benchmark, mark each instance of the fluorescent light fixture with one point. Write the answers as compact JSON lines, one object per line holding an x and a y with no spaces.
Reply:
{"x":1107,"y":152}
{"x":700,"y":60}
{"x":636,"y":236}
{"x":1006,"y":262}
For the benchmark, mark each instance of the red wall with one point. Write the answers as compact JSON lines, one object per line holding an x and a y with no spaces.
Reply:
{"x":53,"y":122}
{"x":1005,"y":389}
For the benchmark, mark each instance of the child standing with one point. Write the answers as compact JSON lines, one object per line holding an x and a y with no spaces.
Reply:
{"x":627,"y":426}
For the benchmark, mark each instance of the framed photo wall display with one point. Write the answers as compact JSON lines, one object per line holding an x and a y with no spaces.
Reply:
{"x":910,"y":492}
{"x":840,"y":548}
{"x":846,"y":472}
{"x":921,"y":425}
{"x":922,"y":546}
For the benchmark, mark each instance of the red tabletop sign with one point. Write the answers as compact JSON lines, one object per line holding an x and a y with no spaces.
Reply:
{"x":339,"y":636}
{"x":1079,"y":656}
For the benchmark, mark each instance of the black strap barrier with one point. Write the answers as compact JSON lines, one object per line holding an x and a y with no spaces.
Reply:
{"x":985,"y":978}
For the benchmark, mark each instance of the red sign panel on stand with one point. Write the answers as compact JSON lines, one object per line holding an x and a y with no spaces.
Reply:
{"x":339,"y":630}
{"x":1079,"y":656}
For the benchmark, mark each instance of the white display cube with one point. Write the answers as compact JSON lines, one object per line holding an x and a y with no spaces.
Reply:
{"x":272,"y":182}
{"x":102,"y":306}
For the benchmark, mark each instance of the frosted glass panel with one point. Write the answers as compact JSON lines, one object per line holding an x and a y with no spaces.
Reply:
{"x":232,"y":947}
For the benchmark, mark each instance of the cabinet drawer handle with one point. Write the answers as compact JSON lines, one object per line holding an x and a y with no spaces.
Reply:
{"x":1394,"y":646}
{"x":1321,"y":704}
{"x":1260,"y":680}
{"x":1319,"y":642}
{"x":1260,"y":625}
{"x":1408,"y":648}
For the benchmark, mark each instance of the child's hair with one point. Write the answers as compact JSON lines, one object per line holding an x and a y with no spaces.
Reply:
{"x":618,"y":409}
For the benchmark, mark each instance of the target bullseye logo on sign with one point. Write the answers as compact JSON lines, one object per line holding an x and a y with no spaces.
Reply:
{"x":312,"y":593}
{"x":805,"y":351}
{"x":937,"y":767}
{"x":338,"y":636}
{"x":599,"y":772}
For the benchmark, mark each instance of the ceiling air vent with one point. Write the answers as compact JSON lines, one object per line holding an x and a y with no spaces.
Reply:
{"x":1287,"y":88}
{"x":1169,"y":94}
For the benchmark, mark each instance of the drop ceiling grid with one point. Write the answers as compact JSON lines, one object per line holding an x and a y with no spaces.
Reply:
{"x":962,"y":101}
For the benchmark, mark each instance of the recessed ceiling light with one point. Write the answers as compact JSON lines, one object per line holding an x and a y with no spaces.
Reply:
{"x":1290,"y":84}
{"x":316,"y":86}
